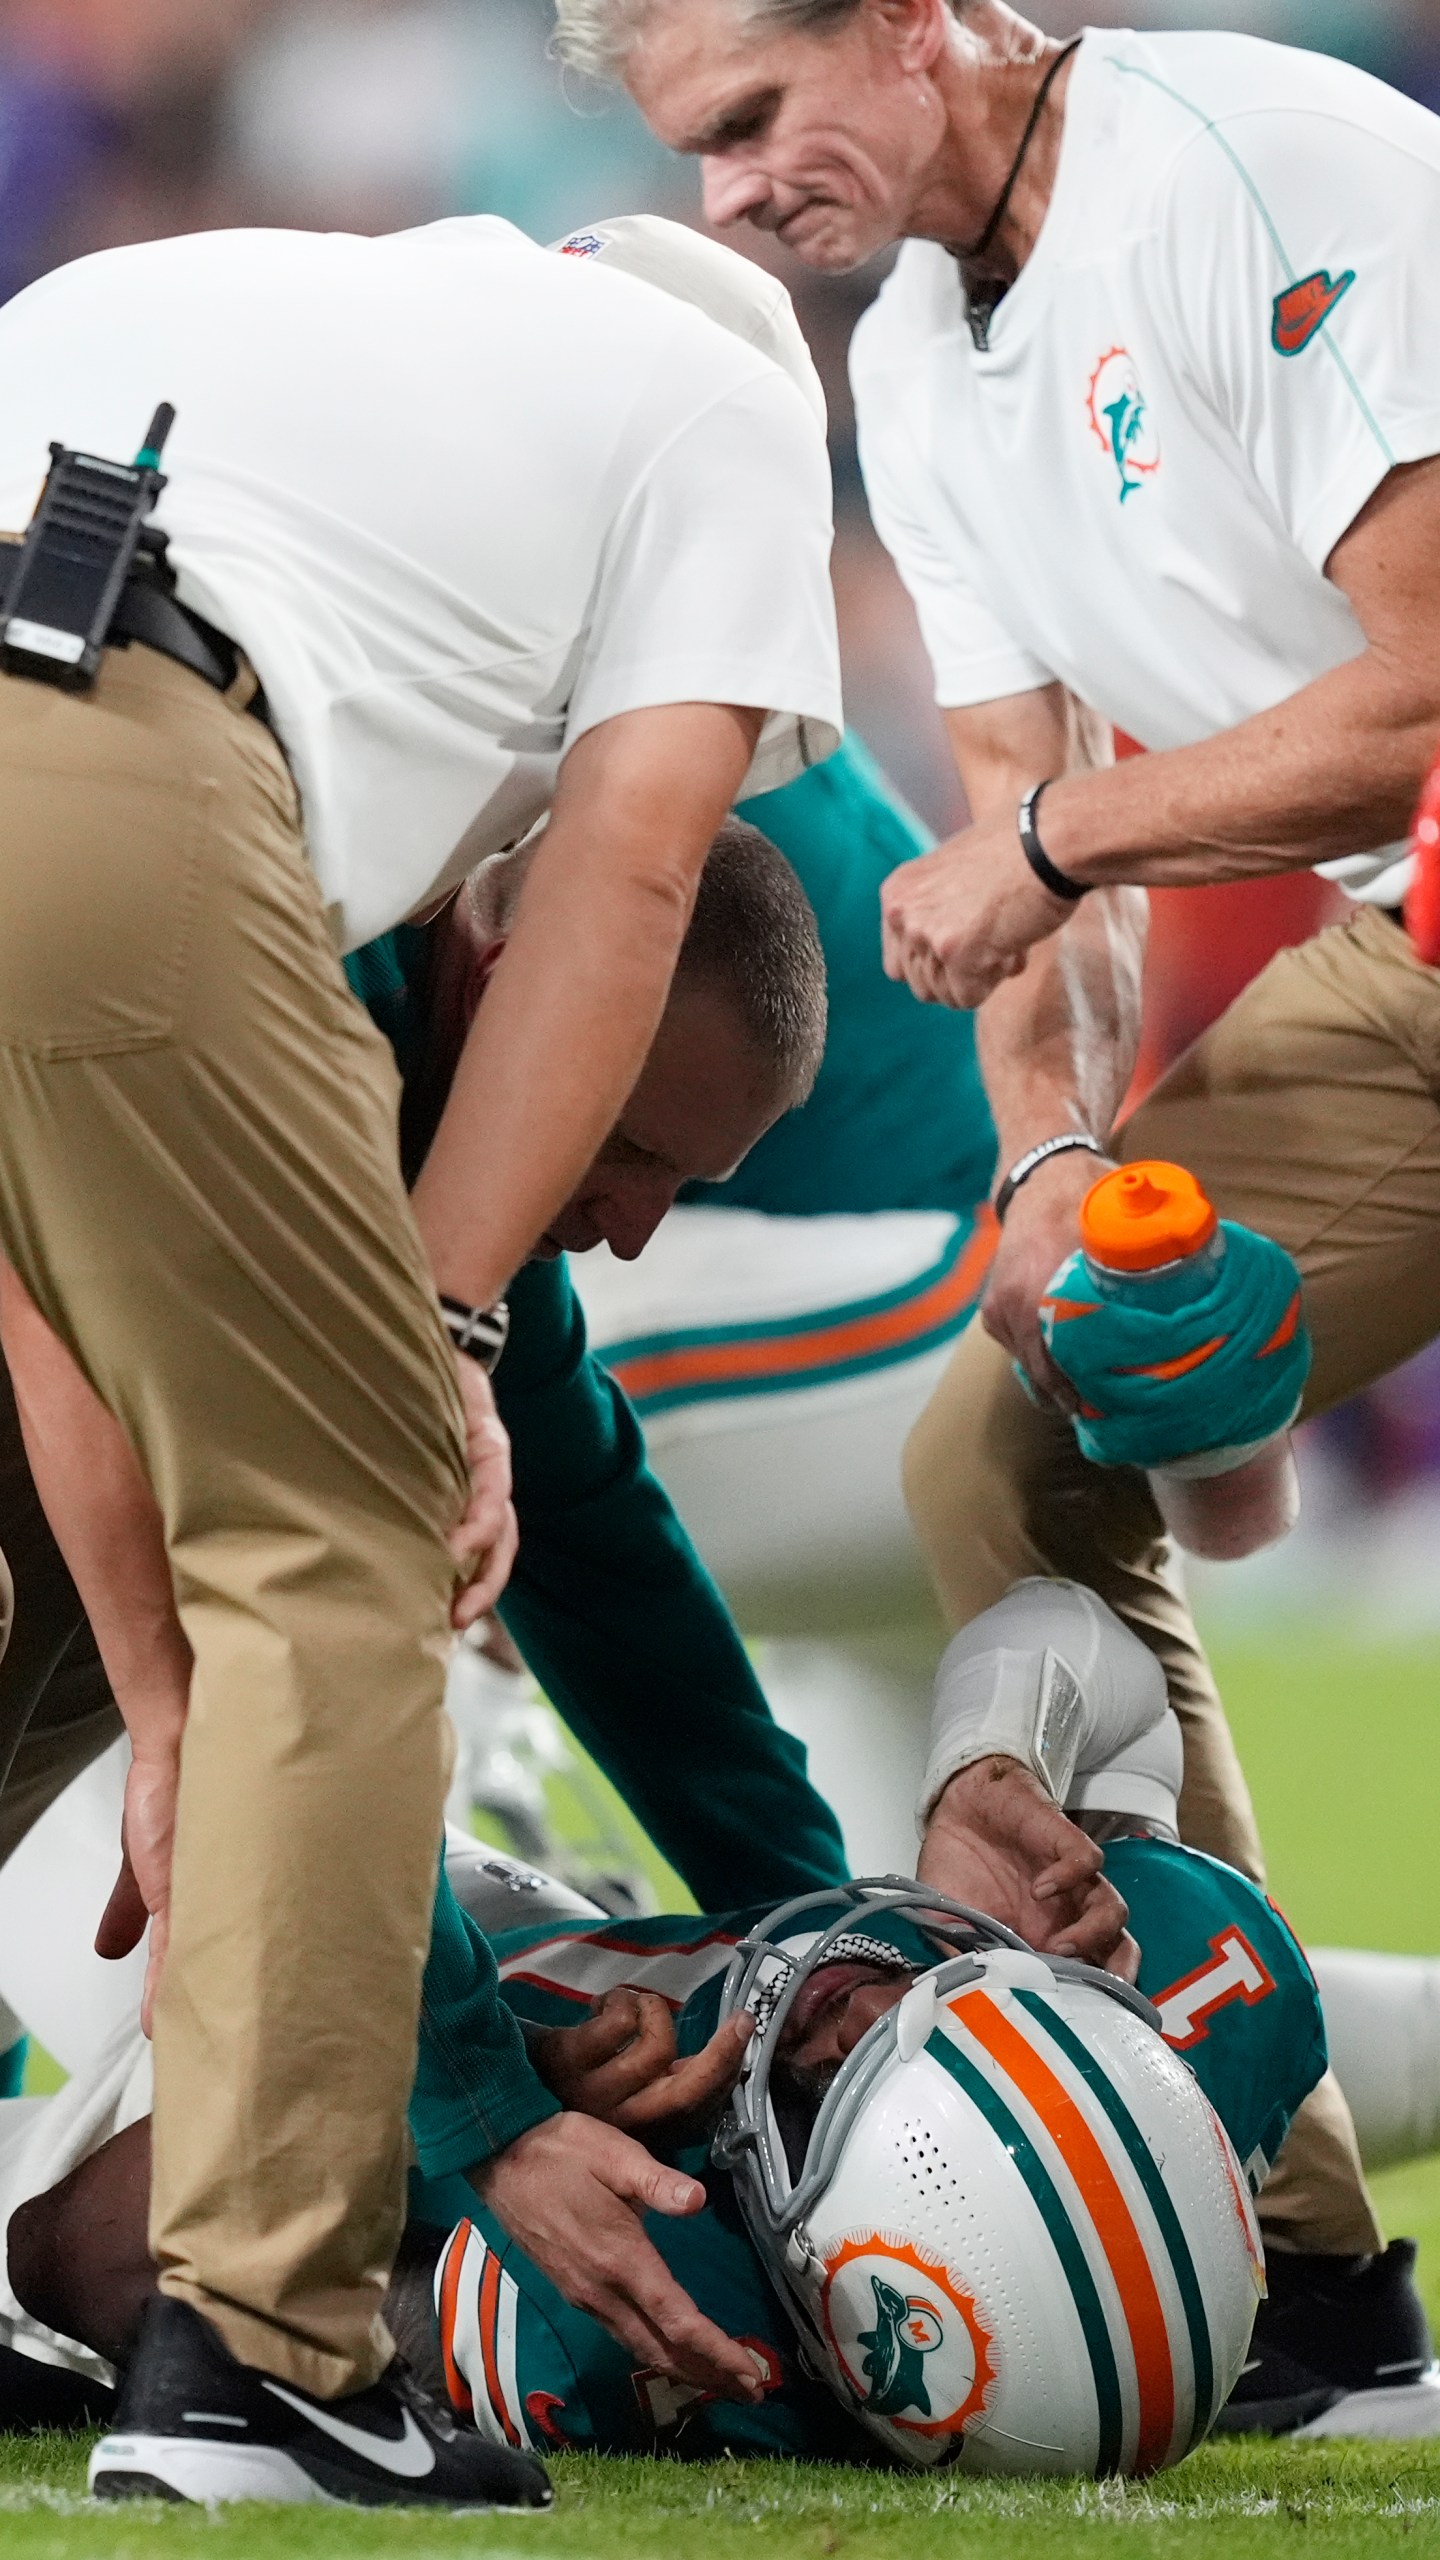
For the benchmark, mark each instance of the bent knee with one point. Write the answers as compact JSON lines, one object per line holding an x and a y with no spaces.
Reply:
{"x":981,"y":1470}
{"x":34,"y":2258}
{"x":997,"y":1489}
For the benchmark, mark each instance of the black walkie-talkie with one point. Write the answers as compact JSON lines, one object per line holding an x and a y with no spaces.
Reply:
{"x":78,"y":551}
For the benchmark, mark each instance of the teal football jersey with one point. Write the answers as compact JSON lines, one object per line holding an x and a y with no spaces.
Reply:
{"x":1235,"y":1997}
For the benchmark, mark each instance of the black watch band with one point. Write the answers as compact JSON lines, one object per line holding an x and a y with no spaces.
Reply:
{"x":1029,"y":1163}
{"x":1036,"y":855}
{"x":480,"y":1332}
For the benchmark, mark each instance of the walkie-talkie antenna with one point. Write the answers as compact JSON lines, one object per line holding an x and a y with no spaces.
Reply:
{"x":148,"y":457}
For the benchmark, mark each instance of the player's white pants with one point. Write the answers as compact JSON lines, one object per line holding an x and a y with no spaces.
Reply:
{"x":52,"y":1893}
{"x":43,"y":2139}
{"x":778,"y":1365}
{"x":86,"y":2011}
{"x":1382,"y":2019}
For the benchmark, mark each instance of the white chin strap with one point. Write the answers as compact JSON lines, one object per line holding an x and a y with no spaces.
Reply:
{"x":1051,"y":1678}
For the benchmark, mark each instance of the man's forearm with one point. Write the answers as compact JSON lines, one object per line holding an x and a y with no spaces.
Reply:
{"x":474,"y":2089}
{"x":1336,"y":770}
{"x":1058,"y":1044}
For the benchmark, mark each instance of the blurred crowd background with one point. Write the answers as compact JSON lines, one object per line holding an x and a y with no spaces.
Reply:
{"x":124,"y":119}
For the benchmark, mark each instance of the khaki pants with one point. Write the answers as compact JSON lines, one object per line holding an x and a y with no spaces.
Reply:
{"x":199,"y":1186}
{"x":1310,"y":1111}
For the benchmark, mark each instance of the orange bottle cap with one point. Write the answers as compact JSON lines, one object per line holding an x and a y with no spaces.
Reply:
{"x":1143,"y":1216}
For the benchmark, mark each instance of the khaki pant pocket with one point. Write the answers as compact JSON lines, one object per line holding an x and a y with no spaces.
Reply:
{"x":100,"y":879}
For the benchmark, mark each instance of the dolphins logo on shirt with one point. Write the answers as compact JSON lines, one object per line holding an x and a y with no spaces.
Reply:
{"x":1121,"y":421}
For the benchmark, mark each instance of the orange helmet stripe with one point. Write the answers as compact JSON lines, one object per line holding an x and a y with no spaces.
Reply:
{"x":1104,"y":2201}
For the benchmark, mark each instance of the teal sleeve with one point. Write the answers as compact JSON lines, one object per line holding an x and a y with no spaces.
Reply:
{"x":382,"y":975}
{"x":628,"y":1635}
{"x":555,"y":2372}
{"x":1236,"y":1997}
{"x":475,"y":2088}
{"x":609,"y":1602}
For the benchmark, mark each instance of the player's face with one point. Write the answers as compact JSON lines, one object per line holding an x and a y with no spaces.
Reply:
{"x":703,"y":1099}
{"x":832,"y":2012}
{"x":825,"y":140}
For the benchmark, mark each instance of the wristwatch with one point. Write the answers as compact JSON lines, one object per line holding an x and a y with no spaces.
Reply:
{"x":480,"y":1332}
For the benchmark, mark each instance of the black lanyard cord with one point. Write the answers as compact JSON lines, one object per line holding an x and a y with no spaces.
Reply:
{"x":1042,"y":94}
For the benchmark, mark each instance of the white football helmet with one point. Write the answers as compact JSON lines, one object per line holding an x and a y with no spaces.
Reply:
{"x":1019,"y":2238}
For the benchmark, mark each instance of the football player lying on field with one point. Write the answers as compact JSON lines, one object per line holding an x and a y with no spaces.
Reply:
{"x":963,"y":2203}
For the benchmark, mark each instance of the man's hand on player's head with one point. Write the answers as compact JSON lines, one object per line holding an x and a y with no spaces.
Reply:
{"x":620,"y":2064}
{"x":998,"y":1841}
{"x":573,"y":2193}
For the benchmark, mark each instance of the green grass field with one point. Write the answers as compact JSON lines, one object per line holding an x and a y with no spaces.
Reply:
{"x":1339,"y":1744}
{"x":1232,"y":2503}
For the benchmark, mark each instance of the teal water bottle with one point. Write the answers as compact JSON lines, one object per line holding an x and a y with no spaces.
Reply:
{"x":1183,"y":1337}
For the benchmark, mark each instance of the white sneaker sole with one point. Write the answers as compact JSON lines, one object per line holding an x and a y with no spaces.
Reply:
{"x":1406,"y":2413}
{"x":211,"y":2474}
{"x":205,"y":2474}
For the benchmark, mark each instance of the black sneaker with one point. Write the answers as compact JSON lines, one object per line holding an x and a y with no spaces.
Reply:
{"x":1341,"y":2348}
{"x":195,"y":2424}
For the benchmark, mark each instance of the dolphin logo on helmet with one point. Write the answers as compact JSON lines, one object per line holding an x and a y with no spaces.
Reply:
{"x":895,"y":2365}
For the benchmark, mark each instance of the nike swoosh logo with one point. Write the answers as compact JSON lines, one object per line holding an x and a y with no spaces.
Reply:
{"x":410,"y":2459}
{"x":1303,"y":311}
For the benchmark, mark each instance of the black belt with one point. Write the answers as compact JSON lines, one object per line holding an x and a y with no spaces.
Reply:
{"x":158,"y":620}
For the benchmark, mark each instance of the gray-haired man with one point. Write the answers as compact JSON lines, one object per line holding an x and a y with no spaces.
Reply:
{"x":1148,"y":413}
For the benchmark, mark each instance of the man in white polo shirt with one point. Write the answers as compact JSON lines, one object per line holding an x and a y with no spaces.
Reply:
{"x":1148,"y":414}
{"x":496,"y":535}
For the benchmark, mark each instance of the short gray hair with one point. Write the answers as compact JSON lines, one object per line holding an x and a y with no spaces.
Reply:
{"x":596,"y":35}
{"x":753,"y":937}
